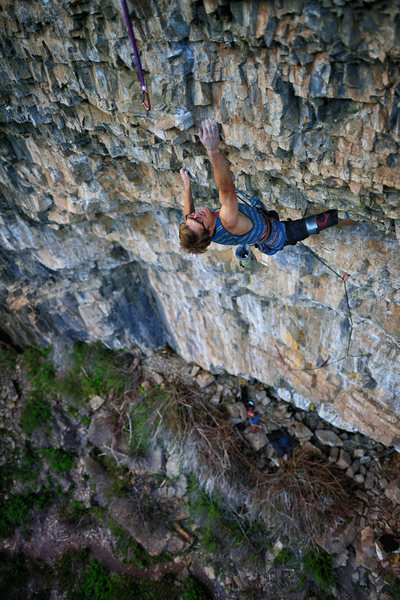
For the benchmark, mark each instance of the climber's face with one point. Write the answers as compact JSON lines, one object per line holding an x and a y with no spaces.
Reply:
{"x":201,"y":220}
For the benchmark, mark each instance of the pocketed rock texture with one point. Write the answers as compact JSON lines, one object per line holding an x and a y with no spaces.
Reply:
{"x":307,"y":95}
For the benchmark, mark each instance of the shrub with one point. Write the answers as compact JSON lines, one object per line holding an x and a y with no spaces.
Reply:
{"x":60,"y":460}
{"x":35,"y":413}
{"x":307,"y":495}
{"x":75,"y":513}
{"x":40,"y":369}
{"x":194,"y":590}
{"x":96,"y":584}
{"x":14,"y":513}
{"x":14,"y":510}
{"x":28,"y":464}
{"x":317,"y":566}
{"x":8,"y":360}
{"x":221,"y":528}
{"x":24,"y":577}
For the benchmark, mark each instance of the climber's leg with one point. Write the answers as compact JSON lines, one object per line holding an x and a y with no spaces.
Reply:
{"x":299,"y":230}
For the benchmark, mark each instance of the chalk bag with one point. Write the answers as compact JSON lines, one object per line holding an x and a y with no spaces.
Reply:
{"x":245,"y":256}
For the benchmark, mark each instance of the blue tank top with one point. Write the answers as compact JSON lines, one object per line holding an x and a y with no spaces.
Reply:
{"x":269,"y":232}
{"x":260,"y":229}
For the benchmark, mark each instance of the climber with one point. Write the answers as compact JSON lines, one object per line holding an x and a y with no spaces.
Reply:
{"x":254,"y":420}
{"x":235,"y":223}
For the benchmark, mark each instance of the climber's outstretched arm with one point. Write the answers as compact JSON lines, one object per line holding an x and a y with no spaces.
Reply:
{"x":188,"y":204}
{"x":209,"y":137}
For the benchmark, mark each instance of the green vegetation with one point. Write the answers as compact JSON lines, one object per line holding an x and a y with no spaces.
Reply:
{"x":28,"y":466}
{"x":284,"y":557}
{"x":82,"y":578}
{"x":140,"y":420}
{"x":37,"y":411}
{"x":76,"y":513}
{"x":8,"y":360}
{"x":95,"y":371}
{"x":222,"y":529}
{"x":224,"y":533}
{"x":96,"y":583}
{"x":59,"y":460}
{"x":392,"y":587}
{"x":15,"y":508}
{"x":318,"y":570}
{"x":14,"y":511}
{"x":40,"y":369}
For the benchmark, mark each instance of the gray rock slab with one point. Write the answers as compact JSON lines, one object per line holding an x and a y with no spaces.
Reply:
{"x":256,"y":440}
{"x":302,"y":432}
{"x":328,"y":438}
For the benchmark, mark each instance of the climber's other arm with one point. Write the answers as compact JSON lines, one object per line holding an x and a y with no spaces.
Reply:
{"x":188,"y":204}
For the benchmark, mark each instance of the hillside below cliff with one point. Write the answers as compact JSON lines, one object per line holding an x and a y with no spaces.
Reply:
{"x":126,"y":476}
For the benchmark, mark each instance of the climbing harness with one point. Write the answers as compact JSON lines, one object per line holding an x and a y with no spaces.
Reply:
{"x":145,"y":93}
{"x":257,"y":203}
{"x":244,"y":252}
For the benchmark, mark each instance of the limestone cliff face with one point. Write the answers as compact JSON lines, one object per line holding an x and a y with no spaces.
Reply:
{"x":308,"y":97}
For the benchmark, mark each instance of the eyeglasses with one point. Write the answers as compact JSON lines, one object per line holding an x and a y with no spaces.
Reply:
{"x":197,"y":220}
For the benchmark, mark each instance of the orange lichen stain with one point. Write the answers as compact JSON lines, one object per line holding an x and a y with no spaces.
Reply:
{"x":291,"y":342}
{"x":350,"y":374}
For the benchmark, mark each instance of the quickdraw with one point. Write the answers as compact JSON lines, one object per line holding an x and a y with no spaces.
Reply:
{"x":145,"y":93}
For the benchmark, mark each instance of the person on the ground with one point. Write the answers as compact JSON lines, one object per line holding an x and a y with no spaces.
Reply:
{"x":236,"y":223}
{"x":254,"y":420}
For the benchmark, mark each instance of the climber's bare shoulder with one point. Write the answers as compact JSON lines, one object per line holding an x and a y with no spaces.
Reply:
{"x":233,"y":220}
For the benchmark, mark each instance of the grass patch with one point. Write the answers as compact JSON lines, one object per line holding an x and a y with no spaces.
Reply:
{"x":284,"y":557}
{"x":222,"y":529}
{"x":36,"y":412}
{"x":60,"y":460}
{"x":40,"y":369}
{"x":95,"y":371}
{"x":8,"y":361}
{"x":76,"y":513}
{"x":16,"y":509}
{"x":318,"y":569}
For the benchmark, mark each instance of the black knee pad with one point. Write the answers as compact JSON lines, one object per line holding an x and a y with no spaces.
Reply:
{"x":317,"y":223}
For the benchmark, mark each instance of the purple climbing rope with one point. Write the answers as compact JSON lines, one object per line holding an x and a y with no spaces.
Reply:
{"x":145,"y":93}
